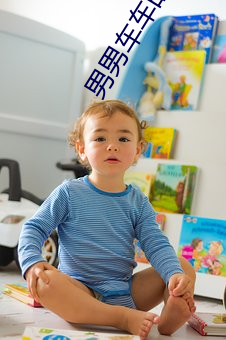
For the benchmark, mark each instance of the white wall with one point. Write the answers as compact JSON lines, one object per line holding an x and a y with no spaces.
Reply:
{"x":97,"y":21}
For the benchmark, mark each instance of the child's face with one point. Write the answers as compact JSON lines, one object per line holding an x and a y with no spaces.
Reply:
{"x":200,"y":246}
{"x":110,"y":144}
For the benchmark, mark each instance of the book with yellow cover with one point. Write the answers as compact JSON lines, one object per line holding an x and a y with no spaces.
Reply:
{"x":184,"y":72}
{"x":161,"y":142}
{"x":142,"y":180}
{"x":20,"y":292}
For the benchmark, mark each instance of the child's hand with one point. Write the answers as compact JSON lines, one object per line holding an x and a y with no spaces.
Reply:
{"x":180,"y":284}
{"x":35,"y":272}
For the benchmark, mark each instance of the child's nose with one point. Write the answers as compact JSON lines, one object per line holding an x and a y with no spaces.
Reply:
{"x":112,"y":147}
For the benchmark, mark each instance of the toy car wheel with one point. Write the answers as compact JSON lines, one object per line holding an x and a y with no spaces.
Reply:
{"x":6,"y":255}
{"x":50,"y":249}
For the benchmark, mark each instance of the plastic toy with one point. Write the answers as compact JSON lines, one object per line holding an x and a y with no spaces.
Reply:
{"x":16,"y":206}
{"x":158,"y":92}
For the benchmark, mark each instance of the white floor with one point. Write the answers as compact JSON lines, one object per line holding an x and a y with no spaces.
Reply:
{"x":14,"y":315}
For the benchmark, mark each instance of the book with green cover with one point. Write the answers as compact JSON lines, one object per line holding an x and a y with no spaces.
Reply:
{"x":173,"y":188}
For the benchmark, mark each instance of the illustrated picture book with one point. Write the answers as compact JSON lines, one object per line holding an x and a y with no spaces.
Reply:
{"x":142,"y":180}
{"x":20,"y":292}
{"x":33,"y":333}
{"x":208,"y":323}
{"x":160,"y":141}
{"x":139,"y":254}
{"x":193,"y":32}
{"x":219,"y":47}
{"x":173,"y":188}
{"x":184,"y":73}
{"x":203,"y":243}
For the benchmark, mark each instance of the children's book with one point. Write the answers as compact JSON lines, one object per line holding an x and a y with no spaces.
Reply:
{"x":208,"y":323}
{"x":219,"y":47}
{"x":203,"y":244}
{"x":139,"y":254}
{"x":173,"y":188}
{"x":20,"y":292}
{"x":160,"y":141}
{"x":142,"y":180}
{"x":184,"y":73}
{"x":193,"y":32}
{"x":33,"y":333}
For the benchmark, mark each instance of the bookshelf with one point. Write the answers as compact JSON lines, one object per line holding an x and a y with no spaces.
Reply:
{"x":201,"y":141}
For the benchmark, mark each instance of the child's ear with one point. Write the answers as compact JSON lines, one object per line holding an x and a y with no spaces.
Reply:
{"x":80,"y":148}
{"x":137,"y":156}
{"x":139,"y":151}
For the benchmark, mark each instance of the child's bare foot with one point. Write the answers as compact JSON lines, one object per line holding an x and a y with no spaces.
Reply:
{"x":174,"y":314}
{"x":140,"y":323}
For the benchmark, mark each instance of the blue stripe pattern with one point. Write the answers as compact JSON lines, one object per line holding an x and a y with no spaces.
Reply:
{"x":96,"y":232}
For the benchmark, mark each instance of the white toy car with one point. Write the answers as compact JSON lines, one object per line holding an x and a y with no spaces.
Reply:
{"x":16,"y":206}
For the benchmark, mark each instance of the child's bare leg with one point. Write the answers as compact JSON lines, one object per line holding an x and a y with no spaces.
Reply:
{"x":177,"y":310}
{"x":74,"y":302}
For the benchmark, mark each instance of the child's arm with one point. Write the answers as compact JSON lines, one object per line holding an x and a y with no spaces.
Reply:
{"x":35,"y":272}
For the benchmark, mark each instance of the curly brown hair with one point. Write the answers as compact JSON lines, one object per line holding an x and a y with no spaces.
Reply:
{"x":107,"y":108}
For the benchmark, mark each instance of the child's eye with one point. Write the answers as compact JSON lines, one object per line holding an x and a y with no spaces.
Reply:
{"x":99,"y":139}
{"x":123,"y":139}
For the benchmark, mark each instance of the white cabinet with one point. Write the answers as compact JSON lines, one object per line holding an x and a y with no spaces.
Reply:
{"x":41,"y":87}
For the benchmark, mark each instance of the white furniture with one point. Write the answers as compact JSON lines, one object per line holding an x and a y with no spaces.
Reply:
{"x":41,"y":87}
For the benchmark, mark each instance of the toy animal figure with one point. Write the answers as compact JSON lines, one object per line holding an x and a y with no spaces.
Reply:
{"x":152,"y":98}
{"x":158,"y":92}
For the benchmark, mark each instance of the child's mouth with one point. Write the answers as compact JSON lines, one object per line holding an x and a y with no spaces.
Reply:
{"x":112,"y":160}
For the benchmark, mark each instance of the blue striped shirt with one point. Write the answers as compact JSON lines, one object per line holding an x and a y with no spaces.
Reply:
{"x":96,"y":231}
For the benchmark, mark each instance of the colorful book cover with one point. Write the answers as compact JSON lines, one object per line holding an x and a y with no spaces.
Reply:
{"x":219,"y":47}
{"x":160,"y":141}
{"x":139,"y":254}
{"x":20,"y":292}
{"x":173,"y":188}
{"x":184,"y":73}
{"x":203,"y":244}
{"x":33,"y":333}
{"x":193,"y":32}
{"x":142,"y":180}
